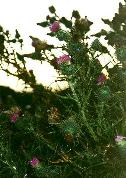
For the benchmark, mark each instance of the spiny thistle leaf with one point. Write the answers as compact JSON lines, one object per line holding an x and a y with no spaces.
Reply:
{"x":75,"y":14}
{"x":66,"y":22}
{"x":97,"y":46}
{"x":107,"y":21}
{"x":101,"y":33}
{"x":43,"y":24}
{"x":121,"y":53}
{"x":52,"y":9}
{"x":17,"y":35}
{"x":52,"y":19}
{"x":20,"y":57}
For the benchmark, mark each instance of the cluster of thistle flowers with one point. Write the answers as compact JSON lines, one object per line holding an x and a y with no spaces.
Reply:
{"x":55,"y":27}
{"x":14,"y":116}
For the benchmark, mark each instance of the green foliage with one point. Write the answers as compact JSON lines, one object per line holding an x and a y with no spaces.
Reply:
{"x":17,"y":35}
{"x":51,"y":34}
{"x":48,"y":171}
{"x":76,"y":14}
{"x":52,"y":9}
{"x":52,"y":19}
{"x":43,"y":24}
{"x":63,"y":35}
{"x":97,"y":46}
{"x":66,"y":22}
{"x":101,"y":33}
{"x":83,"y":25}
{"x":20,"y":57}
{"x":121,"y":54}
{"x":104,"y":93}
{"x":107,"y":21}
{"x":70,"y":126}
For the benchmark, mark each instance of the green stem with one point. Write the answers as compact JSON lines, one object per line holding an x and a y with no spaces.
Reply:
{"x":82,"y":112}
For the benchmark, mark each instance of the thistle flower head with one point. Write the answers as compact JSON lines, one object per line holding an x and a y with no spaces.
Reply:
{"x":63,"y":58}
{"x":55,"y":26}
{"x":14,"y":117}
{"x":34,"y":162}
{"x":119,"y":138}
{"x":101,"y":79}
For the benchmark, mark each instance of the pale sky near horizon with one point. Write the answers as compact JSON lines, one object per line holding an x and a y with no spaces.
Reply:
{"x":24,"y":14}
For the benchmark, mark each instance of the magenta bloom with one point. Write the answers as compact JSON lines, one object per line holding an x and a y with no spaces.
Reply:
{"x":14,"y":117}
{"x":55,"y":26}
{"x":63,"y":58}
{"x":34,"y":162}
{"x":119,"y":138}
{"x":101,"y":79}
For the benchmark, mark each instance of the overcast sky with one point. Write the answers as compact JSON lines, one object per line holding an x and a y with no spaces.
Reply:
{"x":24,"y":14}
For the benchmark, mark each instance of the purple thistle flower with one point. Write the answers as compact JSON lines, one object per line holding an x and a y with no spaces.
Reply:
{"x":34,"y":162}
{"x":55,"y":26}
{"x":119,"y":138}
{"x":14,"y":117}
{"x":63,"y":58}
{"x":101,"y":79}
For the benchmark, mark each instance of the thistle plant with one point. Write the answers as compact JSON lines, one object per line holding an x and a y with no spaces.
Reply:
{"x":75,"y":132}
